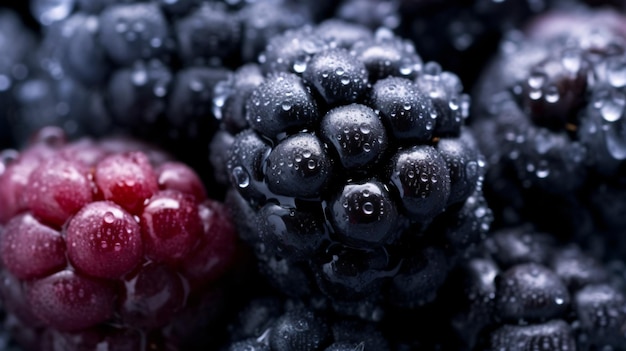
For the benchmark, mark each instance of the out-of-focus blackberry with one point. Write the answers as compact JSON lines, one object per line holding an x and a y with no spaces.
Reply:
{"x":354,"y":175}
{"x":549,"y":116}
{"x":526,"y":291}
{"x":16,"y":42}
{"x":462,"y":35}
{"x":146,"y":68}
{"x":111,"y":243}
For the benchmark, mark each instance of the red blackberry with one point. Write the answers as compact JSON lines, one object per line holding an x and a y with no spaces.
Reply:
{"x":352,"y":172}
{"x":550,"y":120}
{"x":109,"y":242}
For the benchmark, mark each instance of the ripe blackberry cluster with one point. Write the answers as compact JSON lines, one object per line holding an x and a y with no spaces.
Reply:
{"x":109,"y":243}
{"x":549,"y":117}
{"x":526,"y":291}
{"x":354,"y":175}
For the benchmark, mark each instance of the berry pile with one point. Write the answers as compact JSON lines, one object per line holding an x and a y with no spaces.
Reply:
{"x":146,"y":68}
{"x":272,"y":175}
{"x":352,"y":166}
{"x":108,"y":242}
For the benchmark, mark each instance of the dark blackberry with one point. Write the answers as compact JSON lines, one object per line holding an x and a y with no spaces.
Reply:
{"x":144,"y":68}
{"x":548,"y":119}
{"x":461,"y":35}
{"x":16,"y":42}
{"x":111,"y":242}
{"x":338,"y":196}
{"x":272,"y":323}
{"x":562,"y":299}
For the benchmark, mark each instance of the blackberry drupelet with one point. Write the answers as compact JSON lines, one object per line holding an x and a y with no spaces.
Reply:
{"x":549,"y":117}
{"x":111,"y":242}
{"x":350,"y":168}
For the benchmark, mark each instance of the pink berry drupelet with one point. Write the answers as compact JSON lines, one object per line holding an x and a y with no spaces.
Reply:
{"x":108,"y":243}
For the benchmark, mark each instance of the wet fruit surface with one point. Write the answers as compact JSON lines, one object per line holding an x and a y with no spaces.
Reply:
{"x":108,"y":236}
{"x":354,"y":175}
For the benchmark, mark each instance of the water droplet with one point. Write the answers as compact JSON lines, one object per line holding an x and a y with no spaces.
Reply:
{"x":613,"y":108}
{"x":559,"y":301}
{"x":159,"y":90}
{"x":571,"y":60}
{"x":480,"y":212}
{"x":552,"y":94}
{"x":432,"y":68}
{"x":535,"y":94}
{"x":139,"y":77}
{"x":306,"y":153}
{"x":616,"y":72}
{"x":286,"y":106}
{"x":536,"y":80}
{"x":311,"y":164}
{"x":241,"y":177}
{"x":542,"y":170}
{"x":368,"y":208}
{"x":300,"y":64}
{"x":108,"y":217}
{"x":340,"y":71}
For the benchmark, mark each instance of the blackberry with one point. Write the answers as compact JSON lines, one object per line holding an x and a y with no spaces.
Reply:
{"x":548,"y":119}
{"x":110,"y":242}
{"x":16,"y":41}
{"x":273,"y":323}
{"x":352,"y":171}
{"x":462,"y":35}
{"x":145,"y":68}
{"x":524,"y":290}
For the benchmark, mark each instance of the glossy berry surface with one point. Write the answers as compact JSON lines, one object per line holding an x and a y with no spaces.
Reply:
{"x":101,"y":237}
{"x":274,"y":324}
{"x":552,"y":296}
{"x":347,"y":166}
{"x":548,"y":119}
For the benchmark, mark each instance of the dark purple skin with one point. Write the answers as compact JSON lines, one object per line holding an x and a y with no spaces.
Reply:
{"x":356,"y":178}
{"x":547,"y":117}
